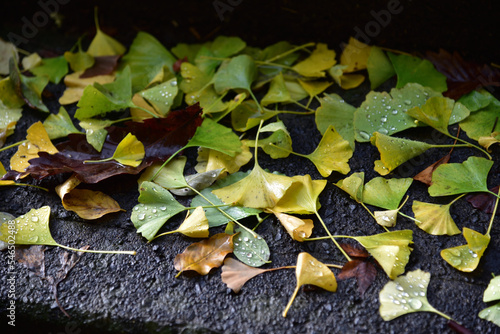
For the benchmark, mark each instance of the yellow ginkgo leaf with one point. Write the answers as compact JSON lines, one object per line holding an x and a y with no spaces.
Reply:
{"x":353,"y":185}
{"x":311,"y":271}
{"x":2,"y":173}
{"x":130,"y":152}
{"x":299,"y":229}
{"x":103,"y":44}
{"x":209,"y":159}
{"x":487,"y":141}
{"x":320,"y":60}
{"x":139,"y":113}
{"x":332,"y":154}
{"x":75,"y":86}
{"x":345,"y":81}
{"x":386,"y":218}
{"x":314,"y":87}
{"x":195,"y":225}
{"x":355,"y":55}
{"x":37,"y":141}
{"x":434,"y":219}
{"x":466,"y":257}
{"x":302,"y":196}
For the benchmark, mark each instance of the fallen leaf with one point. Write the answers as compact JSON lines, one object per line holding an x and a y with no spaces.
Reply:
{"x":379,"y":67}
{"x":336,"y":112}
{"x":209,"y":159}
{"x":75,"y":85}
{"x":466,"y":257}
{"x":434,"y":219}
{"x":7,"y":51}
{"x":103,"y":44}
{"x":355,"y":55}
{"x":353,"y":185}
{"x":29,"y":88}
{"x":364,"y":272}
{"x":235,"y":274}
{"x":250,"y":248}
{"x":32,"y":258}
{"x":195,"y":225}
{"x":277,"y":92}
{"x":318,"y":61}
{"x":483,"y":201}
{"x":205,"y":255}
{"x":59,"y":125}
{"x":129,"y":152}
{"x":297,"y":228}
{"x":53,"y":68}
{"x":104,"y":65}
{"x":425,"y":176}
{"x":385,"y":193}
{"x":302,"y":197}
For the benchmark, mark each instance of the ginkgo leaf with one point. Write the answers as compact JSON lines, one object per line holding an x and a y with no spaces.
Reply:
{"x":248,"y":115}
{"x":379,"y":67}
{"x":235,"y":274}
{"x":79,"y":60}
{"x":478,"y":99}
{"x":277,"y":93}
{"x":162,"y":96}
{"x":103,"y":44}
{"x":216,"y":137}
{"x":344,"y":80}
{"x":296,"y":91}
{"x":195,"y":225}
{"x":492,"y":314}
{"x":146,"y":57}
{"x":130,"y":151}
{"x":198,"y":182}
{"x":298,"y":229}
{"x":437,"y":111}
{"x":331,"y":154}
{"x":157,"y":205}
{"x":390,"y":249}
{"x":95,"y":131}
{"x":8,"y":121}
{"x":209,"y":159}
{"x":466,"y":257}
{"x":75,"y":85}
{"x":7,"y":51}
{"x":37,"y":141}
{"x":480,"y":123}
{"x":492,"y":292}
{"x":458,"y":178}
{"x":395,"y":151}
{"x":386,"y":218}
{"x":434,"y":219}
{"x":318,"y":61}
{"x":425,"y":176}
{"x":314,"y":87}
{"x":29,"y":88}
{"x":353,"y":185}
{"x":4,"y":219}
{"x":385,"y":193}
{"x":386,"y":112}
{"x":336,"y":112}
{"x":311,"y":271}
{"x":87,"y":204}
{"x":355,"y":55}
{"x":53,"y":68}
{"x":205,"y":255}
{"x":59,"y":125}
{"x":414,"y":69}
{"x":169,"y":177}
{"x":406,"y":294}
{"x":486,"y":142}
{"x":250,"y":249}
{"x":4,"y":182}
{"x":8,"y":95}
{"x":239,"y":72}
{"x":278,"y":144}
{"x":215,"y":217}
{"x":302,"y":197}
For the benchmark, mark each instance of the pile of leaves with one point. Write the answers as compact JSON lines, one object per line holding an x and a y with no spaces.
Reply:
{"x":224,"y":98}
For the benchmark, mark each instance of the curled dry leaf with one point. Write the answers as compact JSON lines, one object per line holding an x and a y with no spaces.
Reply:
{"x":205,"y":255}
{"x":425,"y":176}
{"x":299,"y":229}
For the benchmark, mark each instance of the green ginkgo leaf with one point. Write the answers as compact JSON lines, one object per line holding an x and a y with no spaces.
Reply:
{"x":390,"y":249}
{"x":466,"y":257}
{"x":170,"y":176}
{"x":406,"y":294}
{"x":251,"y":249}
{"x":238,"y":73}
{"x":379,"y":67}
{"x":53,"y":68}
{"x":8,"y":95}
{"x":248,"y":115}
{"x":458,"y":178}
{"x":59,"y":125}
{"x":492,"y":292}
{"x":197,"y":182}
{"x":31,"y":87}
{"x":336,"y":112}
{"x":319,"y":60}
{"x":79,"y":60}
{"x":478,"y":99}
{"x":8,"y":120}
{"x":331,"y":154}
{"x":434,"y":219}
{"x":414,"y":69}
{"x":395,"y":151}
{"x":385,"y":193}
{"x":296,"y":91}
{"x":156,"y":206}
{"x":353,"y":185}
{"x":162,"y":96}
{"x":386,"y":218}
{"x":386,"y":112}
{"x":437,"y":112}
{"x":146,"y":57}
{"x":492,"y":314}
{"x":277,"y":93}
{"x":103,"y":44}
{"x":302,"y":197}
{"x":215,"y":136}
{"x":480,"y":123}
{"x":278,"y":144}
{"x":95,"y":131}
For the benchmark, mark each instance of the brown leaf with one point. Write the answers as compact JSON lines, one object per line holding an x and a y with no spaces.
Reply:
{"x":235,"y":274}
{"x":364,"y":271}
{"x":32,"y":258}
{"x":483,"y":201}
{"x":103,"y":65}
{"x":425,"y":176}
{"x":205,"y":255}
{"x":355,"y":251}
{"x":177,"y":65}
{"x":462,"y":76}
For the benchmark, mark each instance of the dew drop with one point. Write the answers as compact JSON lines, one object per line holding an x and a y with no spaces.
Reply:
{"x":173,"y":83}
{"x":394,"y":112}
{"x":245,"y":239}
{"x":141,"y":216}
{"x":397,"y":302}
{"x":364,"y":135}
{"x":383,"y":119}
{"x":34,"y":219}
{"x":399,"y":287}
{"x":407,"y":102}
{"x":154,"y":210}
{"x":383,"y":131}
{"x":415,"y":304}
{"x":163,"y":208}
{"x":249,"y":255}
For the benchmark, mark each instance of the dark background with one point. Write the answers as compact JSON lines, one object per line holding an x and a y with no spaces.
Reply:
{"x":140,"y":294}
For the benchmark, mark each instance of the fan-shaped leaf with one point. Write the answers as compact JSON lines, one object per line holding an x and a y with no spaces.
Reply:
{"x":434,"y":218}
{"x":466,"y":258}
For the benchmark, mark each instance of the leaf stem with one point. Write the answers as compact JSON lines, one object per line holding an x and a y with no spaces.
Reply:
{"x":291,"y":301}
{"x":29,"y":185}
{"x":470,"y":145}
{"x":447,"y":317}
{"x":98,"y":251}
{"x":13,"y":145}
{"x":493,"y":214}
{"x":332,"y":238}
{"x":286,"y":53}
{"x":144,"y":109}
{"x":409,"y":217}
{"x":256,"y":101}
{"x":166,"y":163}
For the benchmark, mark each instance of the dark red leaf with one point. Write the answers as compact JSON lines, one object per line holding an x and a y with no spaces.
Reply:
{"x":458,"y":328}
{"x":177,"y":65}
{"x":103,"y":65}
{"x":161,"y":138}
{"x":483,"y":201}
{"x":355,"y":250}
{"x":462,"y":76}
{"x":364,"y":271}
